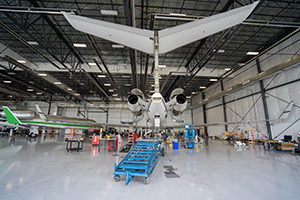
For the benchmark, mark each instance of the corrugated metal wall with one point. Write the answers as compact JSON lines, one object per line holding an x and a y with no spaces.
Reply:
{"x":247,"y":105}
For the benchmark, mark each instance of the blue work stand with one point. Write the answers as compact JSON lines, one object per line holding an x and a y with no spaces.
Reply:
{"x":140,"y":161}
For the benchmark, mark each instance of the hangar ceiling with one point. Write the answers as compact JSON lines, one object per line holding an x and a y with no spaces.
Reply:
{"x":106,"y":72}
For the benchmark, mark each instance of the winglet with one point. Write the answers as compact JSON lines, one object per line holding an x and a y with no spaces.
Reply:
{"x":10,"y":116}
{"x":40,"y":112}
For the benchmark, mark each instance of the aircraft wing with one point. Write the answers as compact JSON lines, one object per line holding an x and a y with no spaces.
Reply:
{"x":7,"y":124}
{"x":123,"y":125}
{"x":169,"y":39}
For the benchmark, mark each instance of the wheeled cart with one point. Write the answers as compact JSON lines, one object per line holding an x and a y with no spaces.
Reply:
{"x":71,"y":145}
{"x":140,"y":161}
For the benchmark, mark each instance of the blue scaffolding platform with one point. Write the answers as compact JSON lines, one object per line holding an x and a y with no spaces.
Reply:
{"x":189,"y":135}
{"x":140,"y":161}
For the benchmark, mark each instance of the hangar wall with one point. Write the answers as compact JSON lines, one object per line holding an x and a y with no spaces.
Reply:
{"x":246,"y":105}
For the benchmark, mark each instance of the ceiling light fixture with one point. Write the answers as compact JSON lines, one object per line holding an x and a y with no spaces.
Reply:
{"x":76,"y":94}
{"x":101,"y":76}
{"x":42,"y":74}
{"x":227,"y":69}
{"x":193,"y":92}
{"x":79,"y":45}
{"x":29,"y":90}
{"x":109,"y":12}
{"x":202,"y":87}
{"x":115,"y":95}
{"x":92,"y":64}
{"x":177,"y":14}
{"x":127,"y":84}
{"x":69,"y":89}
{"x":111,"y":90}
{"x":181,"y":74}
{"x":32,"y":42}
{"x":213,"y":79}
{"x":21,"y":61}
{"x":125,"y":76}
{"x":107,"y":84}
{"x":57,"y":83}
{"x":39,"y":93}
{"x":252,"y":53}
{"x":6,"y":81}
{"x":117,"y":46}
{"x":162,"y":66}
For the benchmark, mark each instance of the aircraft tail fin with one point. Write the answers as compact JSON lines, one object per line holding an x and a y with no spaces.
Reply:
{"x":10,"y":116}
{"x":40,"y":112}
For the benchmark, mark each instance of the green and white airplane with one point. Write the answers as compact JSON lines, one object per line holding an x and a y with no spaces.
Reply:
{"x":35,"y":121}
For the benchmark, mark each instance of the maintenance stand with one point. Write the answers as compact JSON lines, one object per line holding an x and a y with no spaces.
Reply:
{"x":73,"y":147}
{"x":189,"y":135}
{"x":140,"y":161}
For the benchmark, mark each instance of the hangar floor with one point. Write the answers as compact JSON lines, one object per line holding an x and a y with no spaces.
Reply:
{"x":43,"y":169}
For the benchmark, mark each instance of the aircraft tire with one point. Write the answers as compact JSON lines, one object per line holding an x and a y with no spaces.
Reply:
{"x":32,"y":135}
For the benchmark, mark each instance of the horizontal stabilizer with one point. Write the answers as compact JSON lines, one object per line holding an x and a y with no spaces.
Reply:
{"x":10,"y":117}
{"x":172,"y":38}
{"x":169,"y":38}
{"x":40,"y":112}
{"x":135,"y":38}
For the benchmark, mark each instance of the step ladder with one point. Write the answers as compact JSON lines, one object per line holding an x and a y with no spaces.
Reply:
{"x":130,"y":136}
{"x":250,"y":141}
{"x":140,"y":161}
{"x":72,"y":133}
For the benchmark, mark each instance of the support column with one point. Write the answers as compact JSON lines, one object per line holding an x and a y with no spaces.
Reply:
{"x":49,"y":108}
{"x":106,"y":119}
{"x":224,"y":107}
{"x":204,"y":113}
{"x":263,"y":93}
{"x":192,"y":113}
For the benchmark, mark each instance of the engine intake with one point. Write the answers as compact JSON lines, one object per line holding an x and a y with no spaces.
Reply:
{"x":180,"y":105}
{"x":181,"y":98}
{"x":133,"y":99}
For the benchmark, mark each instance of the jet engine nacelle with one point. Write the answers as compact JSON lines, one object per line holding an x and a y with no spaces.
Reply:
{"x":179,"y":105}
{"x":21,"y":114}
{"x":134,"y":106}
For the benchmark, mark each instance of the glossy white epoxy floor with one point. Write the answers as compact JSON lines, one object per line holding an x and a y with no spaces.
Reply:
{"x":44,"y":170}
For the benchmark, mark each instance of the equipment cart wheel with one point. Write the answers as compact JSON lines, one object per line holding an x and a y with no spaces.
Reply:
{"x":117,"y":178}
{"x":163,"y":152}
{"x":146,"y":181}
